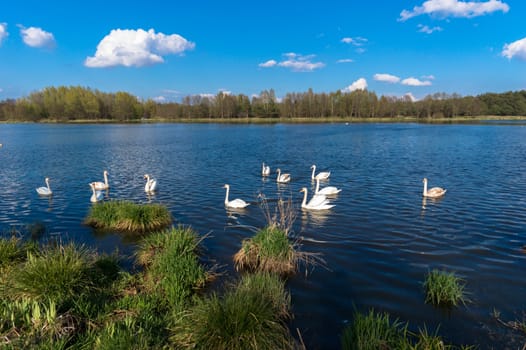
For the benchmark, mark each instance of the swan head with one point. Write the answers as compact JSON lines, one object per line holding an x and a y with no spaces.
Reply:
{"x":105,"y":172}
{"x":303,"y":189}
{"x":146,"y":176}
{"x":226,"y":186}
{"x":424,"y":180}
{"x":313,"y":166}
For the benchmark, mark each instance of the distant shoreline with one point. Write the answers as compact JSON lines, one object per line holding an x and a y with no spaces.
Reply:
{"x":256,"y":120}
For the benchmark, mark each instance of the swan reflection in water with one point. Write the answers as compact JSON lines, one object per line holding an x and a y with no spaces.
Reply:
{"x":313,"y":218}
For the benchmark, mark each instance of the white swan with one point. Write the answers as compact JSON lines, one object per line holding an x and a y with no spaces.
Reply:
{"x":317,"y":202}
{"x":102,"y":185}
{"x":45,"y":191}
{"x":322,"y":175}
{"x":151,"y":184}
{"x":329,"y":190}
{"x":96,"y":195}
{"x":433,"y":192}
{"x":265,"y":170}
{"x":282,"y":178}
{"x":236,"y":203}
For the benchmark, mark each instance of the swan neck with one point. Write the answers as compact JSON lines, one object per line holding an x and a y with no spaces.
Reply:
{"x":317,"y":186}
{"x":425,"y":187}
{"x":313,"y":171}
{"x":105,"y":178}
{"x":304,"y":203}
{"x":226,"y":196}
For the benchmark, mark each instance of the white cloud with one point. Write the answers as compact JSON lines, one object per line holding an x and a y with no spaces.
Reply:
{"x":428,"y":30}
{"x":3,"y":32}
{"x":516,"y":49}
{"x":296,"y":62}
{"x":345,"y":60}
{"x":455,"y":8}
{"x":136,"y":48}
{"x":386,"y":78}
{"x":268,"y":64}
{"x":357,"y":41}
{"x":360,"y":84}
{"x":159,"y":99}
{"x":428,"y":77}
{"x":36,"y":37}
{"x":416,"y":82}
{"x":409,"y":96}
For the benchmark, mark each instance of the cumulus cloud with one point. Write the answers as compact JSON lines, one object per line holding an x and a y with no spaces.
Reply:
{"x":357,"y":41}
{"x":455,"y":8}
{"x":360,"y":84}
{"x":3,"y":32}
{"x":428,"y":30}
{"x":516,"y":49}
{"x":386,"y":78}
{"x":136,"y":48}
{"x":295,"y":62}
{"x":416,"y":82}
{"x":268,"y":64}
{"x":409,"y":96}
{"x":37,"y":37}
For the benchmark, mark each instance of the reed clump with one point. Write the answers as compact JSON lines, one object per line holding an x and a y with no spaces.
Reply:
{"x":444,"y":288}
{"x":271,"y":249}
{"x":125,"y":216}
{"x":249,"y":315}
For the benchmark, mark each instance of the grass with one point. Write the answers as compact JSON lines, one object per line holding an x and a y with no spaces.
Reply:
{"x":373,"y":331}
{"x":444,"y":288}
{"x":247,"y":316}
{"x":172,"y":263}
{"x":271,"y":249}
{"x":125,"y":216}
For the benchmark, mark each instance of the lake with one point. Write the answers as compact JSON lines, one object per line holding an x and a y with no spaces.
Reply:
{"x":378,"y":242}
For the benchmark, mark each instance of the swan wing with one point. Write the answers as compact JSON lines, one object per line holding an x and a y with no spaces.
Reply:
{"x":100,"y":185}
{"x":44,"y":191}
{"x":237,"y":203}
{"x":318,"y":199}
{"x":329,"y":190}
{"x":436,"y":192}
{"x":323,"y":175}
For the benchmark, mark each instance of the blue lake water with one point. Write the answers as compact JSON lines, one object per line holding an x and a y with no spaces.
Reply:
{"x":378,"y":242}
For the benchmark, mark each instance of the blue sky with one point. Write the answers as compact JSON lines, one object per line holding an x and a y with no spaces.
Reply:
{"x":166,"y":50}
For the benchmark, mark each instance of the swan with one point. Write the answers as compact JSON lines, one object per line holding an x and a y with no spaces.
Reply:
{"x":236,"y":203}
{"x":102,"y":185}
{"x":322,"y":175}
{"x":282,"y":178}
{"x":97,"y":195}
{"x":151,"y":184}
{"x":45,"y":191}
{"x":317,"y":202}
{"x":326,"y":190}
{"x":433,"y":192}
{"x":265,"y":170}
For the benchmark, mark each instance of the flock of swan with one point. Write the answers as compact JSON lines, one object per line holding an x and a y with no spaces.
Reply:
{"x":98,"y":186}
{"x":319,"y":201}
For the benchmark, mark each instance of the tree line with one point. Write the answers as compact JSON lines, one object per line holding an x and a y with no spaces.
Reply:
{"x":72,"y":103}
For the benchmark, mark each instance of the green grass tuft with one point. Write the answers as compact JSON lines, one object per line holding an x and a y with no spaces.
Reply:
{"x":269,"y":250}
{"x":172,"y":265}
{"x":374,"y":331}
{"x":249,"y":316}
{"x":129,"y":217}
{"x":444,"y":288}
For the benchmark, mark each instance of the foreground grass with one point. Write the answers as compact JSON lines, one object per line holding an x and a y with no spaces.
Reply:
{"x":373,"y":331}
{"x":250,"y":315}
{"x":444,"y":288}
{"x":129,"y":217}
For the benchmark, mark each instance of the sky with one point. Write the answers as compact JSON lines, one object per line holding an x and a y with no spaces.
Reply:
{"x":166,"y":50}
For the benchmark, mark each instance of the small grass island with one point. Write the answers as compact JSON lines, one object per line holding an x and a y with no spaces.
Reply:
{"x":128,"y":217}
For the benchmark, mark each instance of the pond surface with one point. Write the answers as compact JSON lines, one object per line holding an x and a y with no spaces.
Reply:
{"x":379,"y":240}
